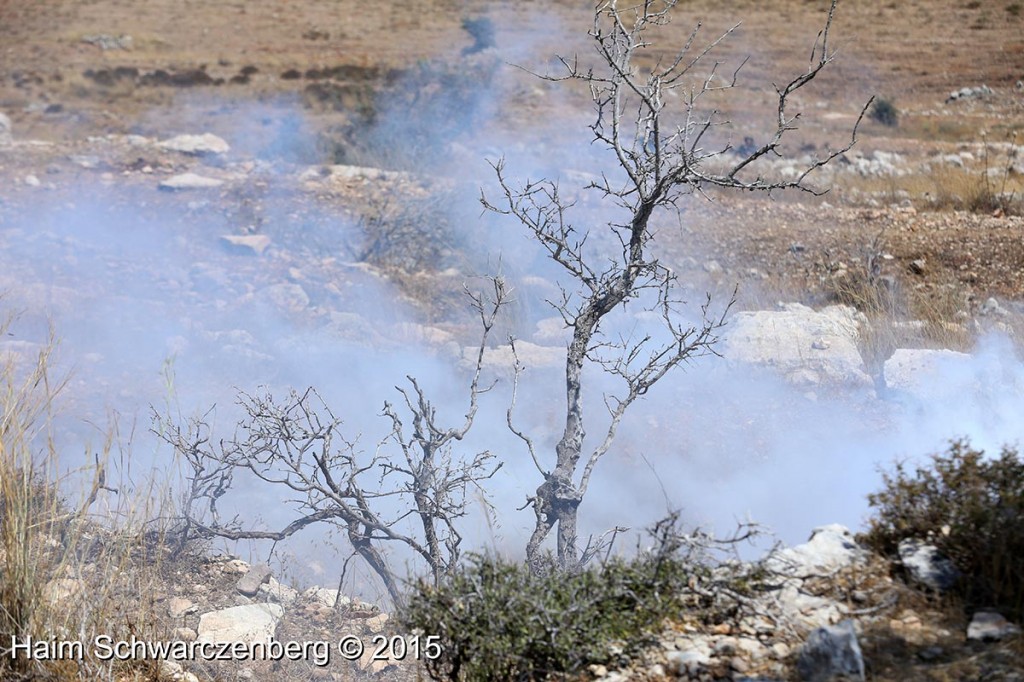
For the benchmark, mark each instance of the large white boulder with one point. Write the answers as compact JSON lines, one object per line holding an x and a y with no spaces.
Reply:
{"x":830,"y":548}
{"x":926,"y":373}
{"x":807,"y":347}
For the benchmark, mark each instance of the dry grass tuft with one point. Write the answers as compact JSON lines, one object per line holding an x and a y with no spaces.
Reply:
{"x":69,"y":571}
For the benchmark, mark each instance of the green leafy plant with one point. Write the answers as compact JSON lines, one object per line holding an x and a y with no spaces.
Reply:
{"x":969,"y":506}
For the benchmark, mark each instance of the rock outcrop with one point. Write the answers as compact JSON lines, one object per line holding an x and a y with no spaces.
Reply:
{"x":808,"y":347}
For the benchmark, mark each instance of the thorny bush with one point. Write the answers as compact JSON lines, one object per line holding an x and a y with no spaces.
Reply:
{"x":969,"y":506}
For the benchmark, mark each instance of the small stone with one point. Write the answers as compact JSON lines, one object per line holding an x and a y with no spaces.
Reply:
{"x":285,"y":296}
{"x":5,"y":130}
{"x":917,"y":266}
{"x":179,"y":606}
{"x":62,"y":589}
{"x":185,"y":634}
{"x":196,"y":145}
{"x":187,"y":181}
{"x":753,"y":649}
{"x":368,"y":663}
{"x":323,"y":596}
{"x":830,"y":652}
{"x":170,"y":669}
{"x":249,"y":584}
{"x":87,"y":161}
{"x":725,"y":647}
{"x":598,"y":670}
{"x":683,"y":663}
{"x":989,"y":307}
{"x":250,"y":244}
{"x":739,"y":665}
{"x":235,"y":567}
{"x":109,"y":42}
{"x":32,"y":181}
{"x":989,"y":626}
{"x":910,"y":620}
{"x":376,"y":623}
{"x":276,"y":592}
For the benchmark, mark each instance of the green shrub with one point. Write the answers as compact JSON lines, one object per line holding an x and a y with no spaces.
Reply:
{"x":971,"y":508}
{"x":499,"y":621}
{"x":883,"y":111}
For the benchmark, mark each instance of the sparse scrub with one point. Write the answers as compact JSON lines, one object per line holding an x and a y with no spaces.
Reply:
{"x":498,"y":620}
{"x":404,"y":234}
{"x":991,"y":184}
{"x":885,"y":112}
{"x":898,"y":315}
{"x":972,"y":508}
{"x":862,"y":285}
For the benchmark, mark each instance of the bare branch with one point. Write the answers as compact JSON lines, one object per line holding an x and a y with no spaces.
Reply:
{"x":663,"y":159}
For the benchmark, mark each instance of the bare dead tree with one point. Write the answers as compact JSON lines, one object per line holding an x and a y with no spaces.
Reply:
{"x":663,"y":154}
{"x":414,"y":473}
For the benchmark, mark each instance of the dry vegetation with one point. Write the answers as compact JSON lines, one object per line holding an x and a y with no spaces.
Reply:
{"x":74,"y":565}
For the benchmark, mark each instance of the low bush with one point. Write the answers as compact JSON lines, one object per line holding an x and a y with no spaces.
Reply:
{"x":969,"y":506}
{"x":499,"y":621}
{"x":885,"y":112}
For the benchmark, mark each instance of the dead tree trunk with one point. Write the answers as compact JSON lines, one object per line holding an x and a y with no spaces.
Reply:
{"x":662,"y":156}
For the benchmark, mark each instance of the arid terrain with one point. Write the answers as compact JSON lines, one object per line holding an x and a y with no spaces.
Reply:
{"x":322,"y":233}
{"x":301,"y":83}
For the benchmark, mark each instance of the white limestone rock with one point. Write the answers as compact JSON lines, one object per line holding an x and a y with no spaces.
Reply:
{"x":189,"y":181}
{"x":248,"y":623}
{"x":196,"y":145}
{"x":808,"y":347}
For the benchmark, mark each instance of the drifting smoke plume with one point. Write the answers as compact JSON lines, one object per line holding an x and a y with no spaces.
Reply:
{"x":134,"y":280}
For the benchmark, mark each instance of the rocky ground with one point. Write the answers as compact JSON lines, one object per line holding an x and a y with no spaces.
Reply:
{"x":821,"y":609}
{"x":229,"y":188}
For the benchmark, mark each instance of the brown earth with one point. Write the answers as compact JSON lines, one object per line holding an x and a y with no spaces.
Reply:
{"x":190,"y":65}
